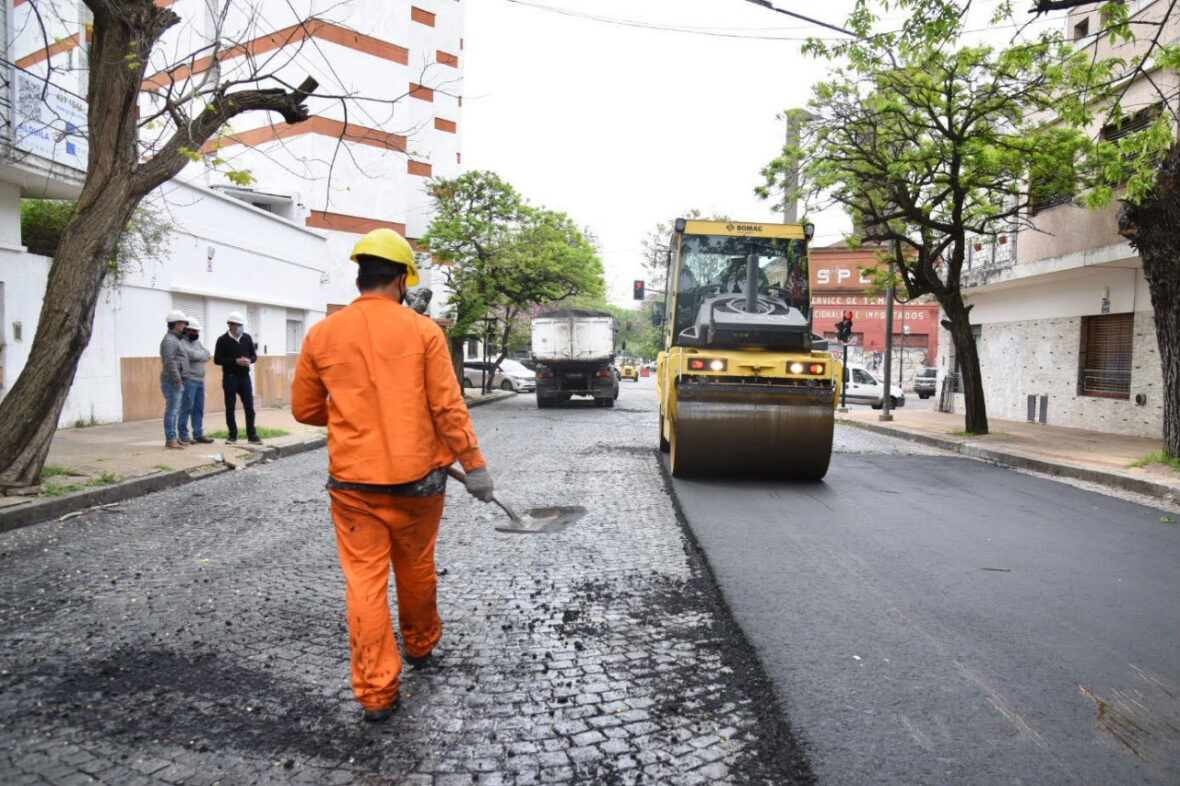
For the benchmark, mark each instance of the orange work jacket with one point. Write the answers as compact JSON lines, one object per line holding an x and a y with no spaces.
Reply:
{"x":379,"y":376}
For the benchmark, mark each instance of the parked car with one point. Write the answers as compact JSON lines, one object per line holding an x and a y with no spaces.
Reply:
{"x":861,"y":387}
{"x":511,"y":375}
{"x":515,"y":373}
{"x":926,"y":382}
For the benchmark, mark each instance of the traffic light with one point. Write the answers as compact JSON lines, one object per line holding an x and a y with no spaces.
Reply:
{"x":844,"y":327}
{"x":639,"y":293}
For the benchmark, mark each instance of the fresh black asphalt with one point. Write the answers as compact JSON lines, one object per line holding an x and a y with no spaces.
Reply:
{"x":930,"y":619}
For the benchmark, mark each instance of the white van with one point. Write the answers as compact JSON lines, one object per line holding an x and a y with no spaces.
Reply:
{"x":863,"y":388}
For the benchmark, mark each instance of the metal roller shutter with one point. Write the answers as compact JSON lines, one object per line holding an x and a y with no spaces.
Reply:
{"x":1106,"y":355}
{"x":193,"y":306}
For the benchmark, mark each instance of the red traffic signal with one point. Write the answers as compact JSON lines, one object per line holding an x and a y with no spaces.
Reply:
{"x":639,"y":290}
{"x":844,"y":327}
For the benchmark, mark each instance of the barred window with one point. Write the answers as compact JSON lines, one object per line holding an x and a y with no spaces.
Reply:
{"x":1104,"y":367}
{"x":1040,"y":198}
{"x":1133,"y":123}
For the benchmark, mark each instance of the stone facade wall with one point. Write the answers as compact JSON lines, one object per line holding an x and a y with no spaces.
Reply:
{"x":1040,"y":357}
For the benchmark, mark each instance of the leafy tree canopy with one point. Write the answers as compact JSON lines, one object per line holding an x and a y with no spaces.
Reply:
{"x":503,"y":257}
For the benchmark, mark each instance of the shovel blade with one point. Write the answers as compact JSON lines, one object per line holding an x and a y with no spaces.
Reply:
{"x":544,"y":520}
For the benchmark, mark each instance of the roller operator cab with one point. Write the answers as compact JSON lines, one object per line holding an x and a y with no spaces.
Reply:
{"x":745,"y":387}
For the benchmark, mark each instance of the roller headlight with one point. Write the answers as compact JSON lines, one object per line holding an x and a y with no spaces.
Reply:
{"x":707,"y":364}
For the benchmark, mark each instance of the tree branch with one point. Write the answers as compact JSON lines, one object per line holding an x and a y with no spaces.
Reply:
{"x":188,"y":139}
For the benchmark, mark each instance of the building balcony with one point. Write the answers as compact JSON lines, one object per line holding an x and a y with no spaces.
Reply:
{"x":43,"y":145}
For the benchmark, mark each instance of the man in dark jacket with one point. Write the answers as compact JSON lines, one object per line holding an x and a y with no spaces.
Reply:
{"x":234,"y":352}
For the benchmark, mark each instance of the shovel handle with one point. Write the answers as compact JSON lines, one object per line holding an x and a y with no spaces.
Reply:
{"x":458,"y":475}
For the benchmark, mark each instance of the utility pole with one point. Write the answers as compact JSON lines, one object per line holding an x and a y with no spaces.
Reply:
{"x":885,"y":413}
{"x":795,"y":118}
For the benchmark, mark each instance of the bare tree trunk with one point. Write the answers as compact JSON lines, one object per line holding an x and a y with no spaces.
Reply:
{"x":457,"y":353}
{"x":1151,"y":228}
{"x":967,"y":355}
{"x":125,"y":31}
{"x":30,"y":411}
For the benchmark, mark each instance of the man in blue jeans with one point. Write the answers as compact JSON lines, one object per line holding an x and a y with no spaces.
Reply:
{"x":234,"y":352}
{"x":192,"y":407}
{"x":174,"y":366}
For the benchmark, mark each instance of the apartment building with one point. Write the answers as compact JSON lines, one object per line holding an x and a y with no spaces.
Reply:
{"x":384,"y":120}
{"x":1062,"y":313}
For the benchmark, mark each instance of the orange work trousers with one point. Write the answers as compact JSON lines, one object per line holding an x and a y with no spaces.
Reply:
{"x":373,"y":530}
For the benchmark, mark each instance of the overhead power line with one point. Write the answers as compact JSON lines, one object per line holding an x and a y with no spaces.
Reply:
{"x":707,"y":31}
{"x":766,"y":4}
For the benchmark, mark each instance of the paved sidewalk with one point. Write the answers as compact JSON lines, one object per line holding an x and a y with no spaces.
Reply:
{"x":117,"y":461}
{"x":1092,"y":456}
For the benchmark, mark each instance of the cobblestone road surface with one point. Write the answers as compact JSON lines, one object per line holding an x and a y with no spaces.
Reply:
{"x":198,"y":635}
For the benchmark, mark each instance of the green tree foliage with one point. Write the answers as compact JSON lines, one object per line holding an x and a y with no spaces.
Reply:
{"x":924,"y":141}
{"x":504,"y":257}
{"x":144,"y":238}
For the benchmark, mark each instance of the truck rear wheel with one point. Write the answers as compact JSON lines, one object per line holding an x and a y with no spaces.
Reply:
{"x":545,"y":402}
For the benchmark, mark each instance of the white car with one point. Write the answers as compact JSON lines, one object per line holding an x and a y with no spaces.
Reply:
{"x":861,"y":387}
{"x":511,"y":375}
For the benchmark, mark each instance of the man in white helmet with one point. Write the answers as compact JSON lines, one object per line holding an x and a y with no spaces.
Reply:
{"x":192,"y":406}
{"x":234,"y":352}
{"x":174,"y":365}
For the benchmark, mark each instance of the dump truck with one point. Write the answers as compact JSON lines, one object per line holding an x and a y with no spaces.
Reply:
{"x":745,"y":387}
{"x":574,"y":350}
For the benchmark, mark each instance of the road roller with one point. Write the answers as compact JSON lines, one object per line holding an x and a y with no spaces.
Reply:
{"x":745,"y":388}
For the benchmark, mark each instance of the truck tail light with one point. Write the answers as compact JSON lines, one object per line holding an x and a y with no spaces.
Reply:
{"x":707,"y":364}
{"x":605,"y":372}
{"x":544,"y":374}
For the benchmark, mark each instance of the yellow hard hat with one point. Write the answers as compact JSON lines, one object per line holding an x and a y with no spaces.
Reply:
{"x":387,"y":244}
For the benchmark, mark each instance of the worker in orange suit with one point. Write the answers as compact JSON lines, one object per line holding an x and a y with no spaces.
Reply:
{"x":379,"y":376}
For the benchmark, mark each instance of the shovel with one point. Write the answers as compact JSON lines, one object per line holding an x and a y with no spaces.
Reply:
{"x":535,"y":520}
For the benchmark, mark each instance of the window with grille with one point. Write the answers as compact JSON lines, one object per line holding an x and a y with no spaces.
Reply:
{"x":1132,"y":124}
{"x":1040,"y":198}
{"x":1104,"y":367}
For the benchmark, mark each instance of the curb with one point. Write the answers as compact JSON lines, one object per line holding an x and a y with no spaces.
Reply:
{"x":494,"y":396}
{"x":1112,"y":480}
{"x":37,"y":511}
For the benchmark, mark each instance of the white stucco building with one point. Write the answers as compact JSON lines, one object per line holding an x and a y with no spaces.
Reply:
{"x":384,"y":120}
{"x":1063,"y":316}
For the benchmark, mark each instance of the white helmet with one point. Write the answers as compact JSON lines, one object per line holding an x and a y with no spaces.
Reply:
{"x":194,"y":323}
{"x":235,"y":317}
{"x":175,"y":315}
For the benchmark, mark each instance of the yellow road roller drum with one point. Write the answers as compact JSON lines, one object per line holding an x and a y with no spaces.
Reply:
{"x":746,"y":389}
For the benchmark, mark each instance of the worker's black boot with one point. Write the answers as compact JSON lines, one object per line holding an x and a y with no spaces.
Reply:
{"x":376,"y":716}
{"x":418,"y":661}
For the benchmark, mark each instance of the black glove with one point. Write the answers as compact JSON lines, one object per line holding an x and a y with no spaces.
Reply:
{"x":479,"y":484}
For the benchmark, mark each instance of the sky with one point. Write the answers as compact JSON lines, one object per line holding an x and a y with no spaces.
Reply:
{"x":623,"y":126}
